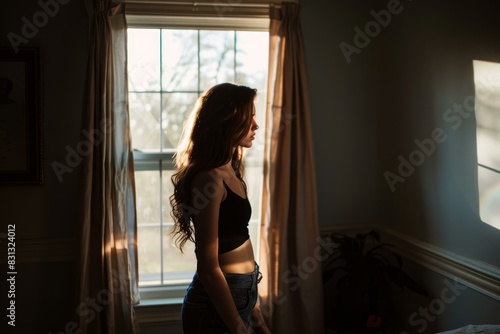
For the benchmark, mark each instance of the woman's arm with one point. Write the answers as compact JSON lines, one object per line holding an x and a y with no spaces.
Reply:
{"x":258,"y":323}
{"x":207,"y":193}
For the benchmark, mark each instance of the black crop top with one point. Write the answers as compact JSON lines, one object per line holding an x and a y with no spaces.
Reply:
{"x":234,"y":215}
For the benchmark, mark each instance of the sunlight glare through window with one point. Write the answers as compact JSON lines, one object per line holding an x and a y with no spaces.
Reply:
{"x":487,"y":108}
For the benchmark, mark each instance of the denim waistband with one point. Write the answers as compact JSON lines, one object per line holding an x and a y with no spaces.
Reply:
{"x":247,"y":279}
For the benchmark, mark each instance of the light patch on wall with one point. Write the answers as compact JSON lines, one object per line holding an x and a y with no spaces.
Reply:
{"x":487,"y":108}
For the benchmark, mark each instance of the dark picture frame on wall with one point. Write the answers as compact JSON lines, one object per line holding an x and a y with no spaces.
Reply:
{"x":20,"y":117}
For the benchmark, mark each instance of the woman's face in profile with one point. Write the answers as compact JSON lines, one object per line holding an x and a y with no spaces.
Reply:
{"x":250,"y":137}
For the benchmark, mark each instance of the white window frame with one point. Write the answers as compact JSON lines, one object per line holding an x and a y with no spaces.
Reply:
{"x":173,"y":293}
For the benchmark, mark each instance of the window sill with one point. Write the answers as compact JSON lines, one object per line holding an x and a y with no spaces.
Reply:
{"x":159,"y":302}
{"x":160,"y":305}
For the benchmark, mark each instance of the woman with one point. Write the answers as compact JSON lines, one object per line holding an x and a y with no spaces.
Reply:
{"x":210,"y":207}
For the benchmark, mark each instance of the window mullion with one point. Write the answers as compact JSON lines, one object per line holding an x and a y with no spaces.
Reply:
{"x":160,"y":162}
{"x":234,"y":56}
{"x":161,"y":222}
{"x":199,"y":64}
{"x":161,"y":90}
{"x":489,"y":168}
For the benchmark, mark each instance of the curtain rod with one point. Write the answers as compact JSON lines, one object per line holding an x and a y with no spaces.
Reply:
{"x":229,"y":3}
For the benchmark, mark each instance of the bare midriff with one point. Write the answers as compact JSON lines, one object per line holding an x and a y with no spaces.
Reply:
{"x":239,"y":260}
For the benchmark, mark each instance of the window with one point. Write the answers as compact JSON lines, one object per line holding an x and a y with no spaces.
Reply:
{"x":487,"y":107}
{"x":168,"y":69}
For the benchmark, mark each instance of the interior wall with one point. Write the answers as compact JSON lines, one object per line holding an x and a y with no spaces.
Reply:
{"x":426,"y":118}
{"x":405,"y":74}
{"x":394,"y":86}
{"x":342,"y":116}
{"x":45,"y":290}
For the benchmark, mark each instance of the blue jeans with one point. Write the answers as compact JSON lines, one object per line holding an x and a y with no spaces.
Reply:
{"x":198,"y":312}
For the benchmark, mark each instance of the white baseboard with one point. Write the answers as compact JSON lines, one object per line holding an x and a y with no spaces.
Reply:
{"x":480,"y":276}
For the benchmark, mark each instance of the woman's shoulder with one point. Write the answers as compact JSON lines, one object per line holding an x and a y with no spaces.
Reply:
{"x":209,"y":184}
{"x":208,"y":178}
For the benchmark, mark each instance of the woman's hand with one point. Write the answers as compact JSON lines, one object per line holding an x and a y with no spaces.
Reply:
{"x":257,"y":321}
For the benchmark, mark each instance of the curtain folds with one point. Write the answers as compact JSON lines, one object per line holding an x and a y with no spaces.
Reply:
{"x":291,"y":293}
{"x":108,"y":263}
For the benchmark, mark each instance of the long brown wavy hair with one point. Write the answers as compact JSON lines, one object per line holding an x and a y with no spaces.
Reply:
{"x":219,"y":121}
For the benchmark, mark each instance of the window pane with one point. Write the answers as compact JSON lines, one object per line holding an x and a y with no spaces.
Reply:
{"x":253,"y":176}
{"x":145,"y":120}
{"x":176,"y":108}
{"x":148,"y":226}
{"x":216,"y":57}
{"x":487,"y":112}
{"x":149,"y":250}
{"x":180,"y":60}
{"x":488,"y":146}
{"x":254,"y":179}
{"x":178,"y":267}
{"x":253,"y":229}
{"x":487,"y":108}
{"x":252,"y":59}
{"x":143,"y":59}
{"x":147,"y":191}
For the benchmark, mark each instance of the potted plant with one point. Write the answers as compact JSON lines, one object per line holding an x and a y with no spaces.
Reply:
{"x":358,"y":275}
